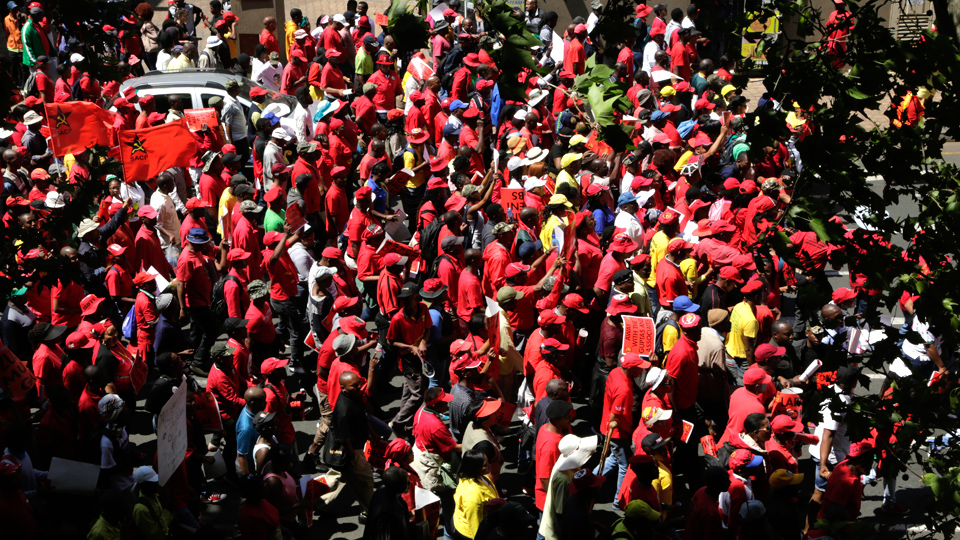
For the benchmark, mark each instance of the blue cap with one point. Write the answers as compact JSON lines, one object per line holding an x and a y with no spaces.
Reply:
{"x":451,"y":129}
{"x":457,"y":104}
{"x":755,"y":462}
{"x":272,"y":118}
{"x":685,"y":128}
{"x":685,"y":304}
{"x":625,"y":198}
{"x":657,"y":115}
{"x":198,"y":235}
{"x":11,"y":6}
{"x":529,"y":248}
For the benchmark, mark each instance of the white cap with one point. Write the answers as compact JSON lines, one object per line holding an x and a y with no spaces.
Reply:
{"x":55,"y":200}
{"x":76,"y":57}
{"x":340,"y":19}
{"x":213,"y":41}
{"x":536,"y":96}
{"x":655,"y":377}
{"x":661,"y":415}
{"x":516,"y":162}
{"x":532,"y":182}
{"x":145,"y":473}
{"x":279,"y":133}
{"x":521,"y":114}
{"x":579,"y":457}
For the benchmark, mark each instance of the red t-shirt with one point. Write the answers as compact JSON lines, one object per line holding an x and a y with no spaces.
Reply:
{"x":211,"y":188}
{"x":258,"y":521}
{"x":335,"y":203}
{"x":743,"y":403}
{"x":608,"y":267}
{"x":705,"y":521}
{"x":146,"y":312}
{"x":236,"y":295}
{"x":780,"y":457}
{"x":358,"y":222}
{"x":682,"y":364}
{"x":388,"y":287}
{"x":618,"y":399}
{"x":260,"y":323}
{"x":544,"y":373}
{"x":670,"y":283}
{"x":45,"y":86}
{"x":409,"y":330}
{"x":325,"y":358}
{"x":277,"y":397}
{"x":119,"y":282}
{"x":547,"y":453}
{"x":469,"y":295}
{"x":196,"y":283}
{"x":149,"y":252}
{"x":48,"y":364}
{"x":66,"y":294}
{"x":431,"y":434}
{"x":332,"y":77}
{"x":337,"y":369}
{"x":268,"y":40}
{"x":245,"y":237}
{"x":843,"y":489}
{"x":283,"y":278}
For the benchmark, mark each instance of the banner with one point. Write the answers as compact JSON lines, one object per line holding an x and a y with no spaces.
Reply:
{"x":14,"y":375}
{"x":381,"y":20}
{"x":172,"y":433}
{"x":512,"y":201}
{"x":196,"y":118}
{"x":639,"y":336}
{"x":145,"y":153}
{"x":138,"y":373}
{"x":207,"y":411}
{"x":76,"y":126}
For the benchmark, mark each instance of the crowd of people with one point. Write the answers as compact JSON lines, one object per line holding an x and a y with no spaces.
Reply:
{"x":497,"y":320}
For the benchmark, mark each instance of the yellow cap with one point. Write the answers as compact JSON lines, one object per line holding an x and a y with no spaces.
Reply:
{"x":667,"y":91}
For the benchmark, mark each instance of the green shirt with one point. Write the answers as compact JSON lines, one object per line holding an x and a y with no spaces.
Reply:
{"x":363,"y":65}
{"x":273,"y":221}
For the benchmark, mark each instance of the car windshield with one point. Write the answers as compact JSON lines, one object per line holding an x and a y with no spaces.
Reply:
{"x":272,"y":97}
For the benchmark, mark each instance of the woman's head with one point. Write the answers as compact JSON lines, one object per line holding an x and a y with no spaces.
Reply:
{"x":473,"y":465}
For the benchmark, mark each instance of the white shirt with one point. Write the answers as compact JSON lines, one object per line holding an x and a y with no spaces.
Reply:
{"x":725,"y":497}
{"x":302,"y":123}
{"x":233,"y":116}
{"x":301,"y":259}
{"x":268,"y":75}
{"x":919,"y":350}
{"x":631,"y":226}
{"x":650,"y":55}
{"x":592,"y":21}
{"x":163,"y":58}
{"x":671,"y":27}
{"x":135,"y":193}
{"x":168,"y":223}
{"x":833,"y":420}
{"x":626,"y":181}
{"x":687,"y":23}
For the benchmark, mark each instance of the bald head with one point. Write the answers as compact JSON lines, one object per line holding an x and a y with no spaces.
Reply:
{"x":256,"y":399}
{"x":350,"y":383}
{"x":558,"y":390}
{"x":472,"y":257}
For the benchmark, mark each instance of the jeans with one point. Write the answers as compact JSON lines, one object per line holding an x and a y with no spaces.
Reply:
{"x":203,"y":331}
{"x":618,"y":457}
{"x":412,"y":395}
{"x":292,"y":319}
{"x":737,"y":367}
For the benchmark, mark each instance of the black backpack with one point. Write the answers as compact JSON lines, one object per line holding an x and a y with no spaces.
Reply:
{"x":429,"y":241}
{"x":75,"y":87}
{"x":658,"y":350}
{"x":218,"y":302}
{"x":435,"y":267}
{"x":30,"y":87}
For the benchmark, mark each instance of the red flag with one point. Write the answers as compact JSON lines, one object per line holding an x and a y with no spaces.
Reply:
{"x":145,"y":153}
{"x":76,"y":126}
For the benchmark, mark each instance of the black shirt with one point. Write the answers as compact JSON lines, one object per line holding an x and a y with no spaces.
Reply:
{"x":713,"y":298}
{"x":350,"y":424}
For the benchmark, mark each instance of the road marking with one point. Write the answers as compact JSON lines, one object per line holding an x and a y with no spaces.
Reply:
{"x":837,"y":273}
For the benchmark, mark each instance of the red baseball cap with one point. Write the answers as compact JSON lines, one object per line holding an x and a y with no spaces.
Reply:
{"x":669,"y":217}
{"x":621,"y":304}
{"x":742,"y":457}
{"x":765,"y":352}
{"x":354,"y":325}
{"x":116,"y":249}
{"x":489,"y":407}
{"x":756,"y":375}
{"x":442,"y":396}
{"x":331,"y":252}
{"x":690,"y":320}
{"x":343,"y":302}
{"x":751,"y":286}
{"x":677,"y":245}
{"x":843,"y":295}
{"x":553,"y":345}
{"x":782,"y":423}
{"x":89,"y":304}
{"x":575,"y":302}
{"x":744,"y":262}
{"x":270,"y":364}
{"x":516,"y":268}
{"x":237,"y":254}
{"x":550,"y":316}
{"x":634,"y":360}
{"x":731,"y":273}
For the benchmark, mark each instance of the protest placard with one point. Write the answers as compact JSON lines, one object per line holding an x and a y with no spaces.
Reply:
{"x":639,"y":335}
{"x":14,"y":375}
{"x":512,"y":201}
{"x":172,"y":433}
{"x":207,"y":411}
{"x":381,"y":19}
{"x":196,"y":118}
{"x":66,"y":475}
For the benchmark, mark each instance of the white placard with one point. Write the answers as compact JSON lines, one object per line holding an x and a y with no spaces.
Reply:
{"x":172,"y":433}
{"x":216,"y":469}
{"x":437,"y":12}
{"x":72,"y":476}
{"x":162,"y":283}
{"x":423,"y":497}
{"x":557,"y":51}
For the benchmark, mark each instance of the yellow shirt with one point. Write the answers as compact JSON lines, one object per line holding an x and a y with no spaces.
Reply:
{"x":664,"y":484}
{"x":411,"y":160}
{"x":743,"y":322}
{"x":658,"y":250}
{"x":225,"y":208}
{"x":289,"y":28}
{"x":546,"y":234}
{"x":566,"y":178}
{"x":670,"y":337}
{"x":469,"y":499}
{"x":688,"y":267}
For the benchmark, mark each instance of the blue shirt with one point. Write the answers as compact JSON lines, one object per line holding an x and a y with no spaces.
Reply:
{"x":169,"y":338}
{"x":246,"y":434}
{"x":381,"y":197}
{"x":604,"y":218}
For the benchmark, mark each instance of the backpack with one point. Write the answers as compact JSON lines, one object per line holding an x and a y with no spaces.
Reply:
{"x":218,"y":302}
{"x":658,"y":350}
{"x":435,"y":267}
{"x":75,"y":87}
{"x":429,"y":242}
{"x":30,"y":87}
{"x":723,"y":456}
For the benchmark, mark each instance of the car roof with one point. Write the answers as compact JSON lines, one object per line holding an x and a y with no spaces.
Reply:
{"x":209,"y":78}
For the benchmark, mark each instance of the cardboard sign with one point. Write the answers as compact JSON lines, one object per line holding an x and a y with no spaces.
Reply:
{"x":398,"y":182}
{"x":207,"y":411}
{"x":73,"y":476}
{"x":172,"y":433}
{"x":512,"y":201}
{"x":196,"y":118}
{"x":492,"y":314}
{"x":686,"y":431}
{"x":294,"y":216}
{"x":639,"y":336}
{"x":312,"y":489}
{"x":381,"y":19}
{"x":505,"y":413}
{"x":14,"y":375}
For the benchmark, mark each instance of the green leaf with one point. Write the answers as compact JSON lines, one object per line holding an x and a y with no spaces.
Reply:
{"x":855,"y":93}
{"x":934,"y":483}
